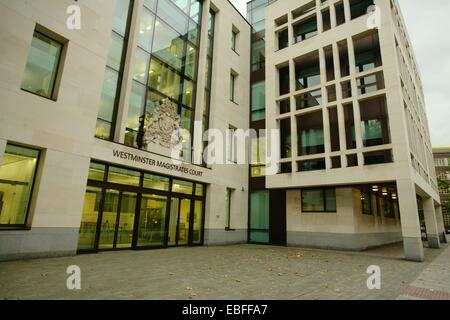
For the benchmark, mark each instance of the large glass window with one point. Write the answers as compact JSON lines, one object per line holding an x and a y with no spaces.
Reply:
{"x":259,"y":216}
{"x":305,"y":29}
{"x":113,"y":71}
{"x":258,"y":101}
{"x":310,"y":133}
{"x":319,"y":200}
{"x":42,"y":65}
{"x":17,"y":174}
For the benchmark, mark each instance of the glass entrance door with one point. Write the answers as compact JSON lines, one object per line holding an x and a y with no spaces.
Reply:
{"x":179,"y":222}
{"x":117,"y":223}
{"x":184,"y":222}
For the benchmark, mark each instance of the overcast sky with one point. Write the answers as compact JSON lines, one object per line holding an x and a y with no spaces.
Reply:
{"x":428,"y":25}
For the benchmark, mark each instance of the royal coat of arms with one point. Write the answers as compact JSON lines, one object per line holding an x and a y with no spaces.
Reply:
{"x":162,"y":126}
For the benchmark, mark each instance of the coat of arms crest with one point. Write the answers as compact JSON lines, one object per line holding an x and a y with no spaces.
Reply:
{"x":162,"y":126}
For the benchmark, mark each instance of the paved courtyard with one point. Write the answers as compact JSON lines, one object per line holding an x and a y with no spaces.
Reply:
{"x":228,"y":272}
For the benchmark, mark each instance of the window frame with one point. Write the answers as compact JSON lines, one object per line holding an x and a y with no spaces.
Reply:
{"x":26,"y":224}
{"x":324,"y":200}
{"x":229,"y":194}
{"x":52,"y":96}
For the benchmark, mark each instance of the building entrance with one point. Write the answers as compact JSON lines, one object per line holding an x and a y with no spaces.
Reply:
{"x":125,"y":209}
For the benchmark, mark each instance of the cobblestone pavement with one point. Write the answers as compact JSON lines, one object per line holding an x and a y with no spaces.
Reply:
{"x":433,"y":283}
{"x":225,"y":272}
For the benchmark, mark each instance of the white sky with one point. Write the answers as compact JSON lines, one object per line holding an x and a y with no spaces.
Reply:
{"x":428,"y":26}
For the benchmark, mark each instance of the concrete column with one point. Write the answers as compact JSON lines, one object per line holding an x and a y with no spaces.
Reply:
{"x":294,"y":135}
{"x":412,"y":241}
{"x":319,"y":17}
{"x":333,"y":16}
{"x":356,"y":110}
{"x":431,"y":223}
{"x":340,"y":108}
{"x":347,"y":12}
{"x":440,"y":224}
{"x":325,"y":116}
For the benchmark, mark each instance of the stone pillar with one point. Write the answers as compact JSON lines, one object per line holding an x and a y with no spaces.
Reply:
{"x":431,"y":223}
{"x":412,"y":240}
{"x":440,"y":224}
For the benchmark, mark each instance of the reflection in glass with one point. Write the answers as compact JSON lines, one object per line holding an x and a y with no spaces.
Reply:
{"x":124,"y":176}
{"x":121,"y":17}
{"x":87,"y":232}
{"x":107,"y":103}
{"x":145,"y":34}
{"x":141,"y":62}
{"x":152,"y":221}
{"x":126,"y":220}
{"x":163,"y":79}
{"x":42,"y":64}
{"x":199,"y":189}
{"x":173,"y":16}
{"x":17,"y":174}
{"x":183,"y":222}
{"x":135,"y":111}
{"x":152,"y":181}
{"x":173,"y":221}
{"x":109,"y":218}
{"x":197,"y":222}
{"x":96,"y":171}
{"x":168,"y":45}
{"x":191,"y":62}
{"x":180,"y":186}
{"x":114,"y":59}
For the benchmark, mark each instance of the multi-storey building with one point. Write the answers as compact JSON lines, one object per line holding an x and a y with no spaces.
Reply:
{"x":442,"y":164}
{"x":86,"y":119}
{"x":93,"y":105}
{"x":343,"y":88}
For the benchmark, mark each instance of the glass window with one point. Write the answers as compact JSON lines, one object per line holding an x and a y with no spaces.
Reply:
{"x":88,"y":227}
{"x":188,"y":93}
{"x":198,"y":222}
{"x":168,"y":45}
{"x":173,"y":16}
{"x":141,"y":62}
{"x":305,"y":30}
{"x":123,"y":176}
{"x":164,"y":80}
{"x":114,"y":59}
{"x":152,"y":221}
{"x":121,"y":17}
{"x":283,"y":39}
{"x":42,"y":65}
{"x":145,"y":35}
{"x":96,"y":171}
{"x":228,"y":196}
{"x":199,"y":189}
{"x":191,"y":62}
{"x":319,"y":200}
{"x":150,"y":4}
{"x":135,"y":108}
{"x":195,"y":12}
{"x":108,"y":95}
{"x":259,"y":216}
{"x":258,"y":54}
{"x":152,"y":181}
{"x":17,"y":174}
{"x":181,"y":186}
{"x":232,"y":87}
{"x":193,"y":32}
